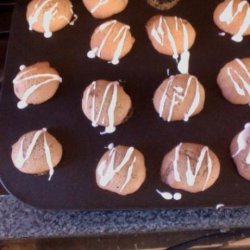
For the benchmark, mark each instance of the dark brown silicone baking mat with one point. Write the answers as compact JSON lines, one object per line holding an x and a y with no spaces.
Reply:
{"x":73,"y":186}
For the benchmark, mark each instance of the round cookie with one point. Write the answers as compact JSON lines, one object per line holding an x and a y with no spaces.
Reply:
{"x":179,"y":97}
{"x":240,"y":151}
{"x":48,"y":16}
{"x":233,"y":17}
{"x":106,"y":104}
{"x":163,"y":4}
{"x":190,"y":167}
{"x":111,"y":41}
{"x":172,"y":36}
{"x":121,"y":170}
{"x":37,"y":152}
{"x":234,"y":81}
{"x":105,"y":8}
{"x":36,"y":84}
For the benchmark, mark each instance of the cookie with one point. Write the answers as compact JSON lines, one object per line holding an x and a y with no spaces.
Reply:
{"x":121,"y":170}
{"x":233,"y":17}
{"x":172,"y":36}
{"x":179,"y":97}
{"x":190,"y":167}
{"x":37,"y":152}
{"x":48,"y":16}
{"x":234,"y":81}
{"x":36,"y":84}
{"x":163,"y":4}
{"x":240,"y":151}
{"x":106,"y":104}
{"x":105,"y":8}
{"x":111,"y":41}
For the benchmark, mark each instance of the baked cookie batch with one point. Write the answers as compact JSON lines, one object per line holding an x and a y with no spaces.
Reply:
{"x":188,"y":166}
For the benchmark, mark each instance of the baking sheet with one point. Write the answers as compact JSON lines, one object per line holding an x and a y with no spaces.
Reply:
{"x":73,"y":186}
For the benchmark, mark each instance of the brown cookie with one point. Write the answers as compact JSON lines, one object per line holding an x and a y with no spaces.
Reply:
{"x":47,"y":16}
{"x":36,"y":84}
{"x":172,"y":36}
{"x":105,"y":8}
{"x":121,"y":170}
{"x":163,"y":4}
{"x":233,"y":17}
{"x":190,"y":167}
{"x":37,"y":152}
{"x":234,"y":81}
{"x":240,"y":151}
{"x":111,"y":41}
{"x":106,"y":104}
{"x":179,"y":97}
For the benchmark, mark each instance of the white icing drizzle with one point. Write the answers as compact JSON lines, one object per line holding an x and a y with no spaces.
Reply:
{"x":48,"y":155}
{"x":22,"y":67}
{"x":195,"y":102}
{"x":118,"y":51}
{"x":219,"y":206}
{"x":177,"y":196}
{"x":242,"y":142}
{"x":248,"y":158}
{"x":179,"y":95}
{"x":110,"y":146}
{"x":168,"y":196}
{"x":48,"y":15}
{"x":99,"y":4}
{"x":175,"y":163}
{"x":171,"y":40}
{"x":176,"y":23}
{"x":73,"y":19}
{"x":246,"y":84}
{"x":47,"y":18}
{"x":164,"y":96}
{"x":21,"y":159}
{"x":129,"y":174}
{"x":121,"y":35}
{"x":159,"y":34}
{"x":165,"y":195}
{"x":21,"y":78}
{"x":222,"y":33}
{"x":228,"y":16}
{"x":107,"y":169}
{"x":190,"y":175}
{"x":111,"y":109}
{"x":183,"y":65}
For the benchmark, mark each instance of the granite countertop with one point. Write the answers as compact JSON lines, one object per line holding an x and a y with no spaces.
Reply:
{"x":21,"y":221}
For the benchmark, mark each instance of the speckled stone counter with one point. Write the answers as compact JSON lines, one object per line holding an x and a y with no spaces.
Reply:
{"x":18,"y":220}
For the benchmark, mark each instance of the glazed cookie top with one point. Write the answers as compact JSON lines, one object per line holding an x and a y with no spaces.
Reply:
{"x":233,"y":17}
{"x":35,"y":84}
{"x":47,"y":16}
{"x":105,"y":8}
{"x":121,"y":170}
{"x":179,"y":97}
{"x":172,"y":36}
{"x":240,"y":150}
{"x":190,"y":167}
{"x":234,"y":81}
{"x":243,"y":143}
{"x":111,"y":41}
{"x":106,"y":104}
{"x":37,"y":152}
